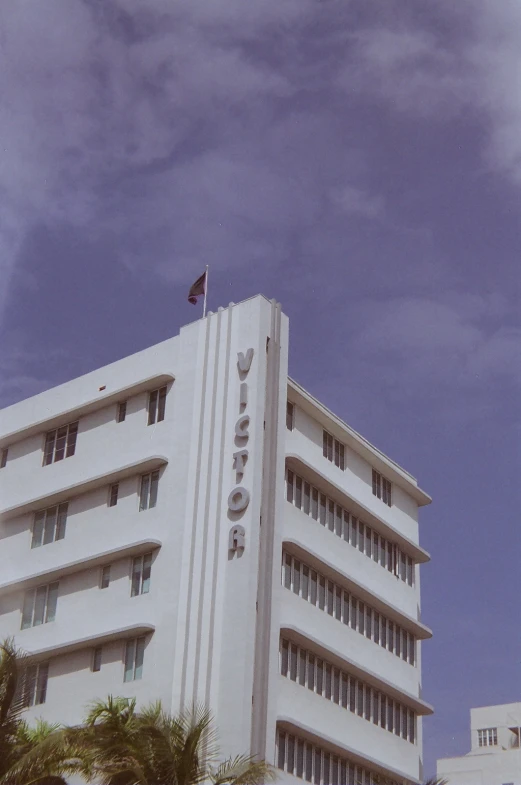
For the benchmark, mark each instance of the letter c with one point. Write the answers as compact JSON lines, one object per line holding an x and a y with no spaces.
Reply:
{"x":242,"y":425}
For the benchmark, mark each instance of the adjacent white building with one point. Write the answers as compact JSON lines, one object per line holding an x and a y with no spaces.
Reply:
{"x":495,"y":754}
{"x":189,"y":523}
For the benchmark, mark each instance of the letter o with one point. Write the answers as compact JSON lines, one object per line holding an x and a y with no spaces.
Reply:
{"x":238,"y":499}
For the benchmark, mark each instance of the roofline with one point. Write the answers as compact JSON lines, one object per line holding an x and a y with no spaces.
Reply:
{"x":361,"y":445}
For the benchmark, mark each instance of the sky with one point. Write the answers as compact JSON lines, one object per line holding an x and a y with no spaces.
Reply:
{"x":357,"y":160}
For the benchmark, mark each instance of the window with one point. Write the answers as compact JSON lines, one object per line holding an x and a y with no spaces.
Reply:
{"x":141,"y":569}
{"x":311,"y":763}
{"x":104,"y":581}
{"x":3,"y":459}
{"x":122,"y":411}
{"x":487,"y":737}
{"x":134,"y":655}
{"x":49,"y":525}
{"x":113,"y":497}
{"x":60,"y":443}
{"x":341,"y":522}
{"x":347,"y":608}
{"x":156,"y":405}
{"x":148,"y":491}
{"x":382,"y":488}
{"x":290,"y":416}
{"x":96,"y":659}
{"x":34,"y":684}
{"x":40,"y":605}
{"x":333,"y":450}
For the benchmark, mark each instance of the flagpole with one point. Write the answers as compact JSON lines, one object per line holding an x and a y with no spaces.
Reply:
{"x":205,"y":292}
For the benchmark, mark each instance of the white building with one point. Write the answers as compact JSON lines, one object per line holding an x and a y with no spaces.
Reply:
{"x":146,"y":510}
{"x":495,"y":754}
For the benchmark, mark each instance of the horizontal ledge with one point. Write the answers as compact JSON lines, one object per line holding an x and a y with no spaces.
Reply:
{"x":299,"y":465}
{"x":358,"y":443}
{"x":69,"y":568}
{"x":142,"y":466}
{"x":104,"y":398}
{"x":96,"y":639}
{"x":310,"y":734}
{"x":339,"y":659}
{"x":319,"y":564}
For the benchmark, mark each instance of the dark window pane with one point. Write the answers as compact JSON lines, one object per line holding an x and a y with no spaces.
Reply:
{"x":152,"y":406}
{"x":122,"y":411}
{"x":154,"y":484}
{"x":3,"y":460}
{"x":289,"y":487}
{"x":161,"y":404}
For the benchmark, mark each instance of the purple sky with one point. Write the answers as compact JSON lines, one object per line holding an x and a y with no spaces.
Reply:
{"x":358,"y":160}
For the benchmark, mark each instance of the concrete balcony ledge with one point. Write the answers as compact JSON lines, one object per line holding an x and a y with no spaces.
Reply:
{"x":95,"y":639}
{"x":338,"y":658}
{"x":89,"y":560}
{"x":307,"y":732}
{"x":318,"y":563}
{"x":101,"y":400}
{"x":301,"y":467}
{"x":144,"y":465}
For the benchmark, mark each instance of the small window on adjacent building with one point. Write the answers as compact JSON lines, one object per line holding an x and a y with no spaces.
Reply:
{"x":40,"y":605}
{"x":33,"y":688}
{"x":104,"y":581}
{"x":487,"y":737}
{"x":113,"y":497}
{"x":96,"y":659}
{"x":49,"y":525}
{"x":3,"y":458}
{"x":141,"y":570}
{"x":156,"y":405}
{"x":148,"y":490}
{"x":382,"y":488}
{"x":134,"y":656}
{"x":290,"y":415}
{"x":122,"y":411}
{"x":333,"y":450}
{"x":60,"y":443}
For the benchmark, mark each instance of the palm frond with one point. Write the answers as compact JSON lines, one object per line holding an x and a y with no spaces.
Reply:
{"x":243,"y":770}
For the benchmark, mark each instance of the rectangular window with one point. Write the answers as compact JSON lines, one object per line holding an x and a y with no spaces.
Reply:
{"x":148,"y":491}
{"x":333,"y":450}
{"x":487,"y":737}
{"x":49,"y":525}
{"x":290,"y":416}
{"x":3,"y":459}
{"x":40,"y":605}
{"x":122,"y":411}
{"x":114,"y":492}
{"x":104,"y":582}
{"x":134,"y":656}
{"x":156,"y":405}
{"x":290,"y":477}
{"x":141,"y":569}
{"x":382,"y":488}
{"x":96,"y":659}
{"x":34,"y":684}
{"x":60,"y":443}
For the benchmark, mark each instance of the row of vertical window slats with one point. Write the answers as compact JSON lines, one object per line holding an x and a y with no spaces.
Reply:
{"x":320,"y":676}
{"x":312,"y":763}
{"x":341,"y":522}
{"x":40,"y":605}
{"x":345,"y":607}
{"x":333,"y":450}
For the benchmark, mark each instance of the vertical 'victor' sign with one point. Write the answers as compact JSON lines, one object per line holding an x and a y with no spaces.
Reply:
{"x":239,"y":498}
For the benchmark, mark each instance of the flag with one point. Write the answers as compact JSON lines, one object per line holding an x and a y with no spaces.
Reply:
{"x":197,"y":288}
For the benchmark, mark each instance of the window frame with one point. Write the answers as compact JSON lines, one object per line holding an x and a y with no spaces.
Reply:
{"x":121,"y":411}
{"x":141,"y":574}
{"x":134,"y":657}
{"x":34,"y":682}
{"x":113,"y":495}
{"x":46,"y":610}
{"x":68,"y":435}
{"x":333,"y":450}
{"x":3,"y":457}
{"x":58,"y":524}
{"x":290,"y":415}
{"x":382,"y":487}
{"x":97,"y":654}
{"x":104,"y":576}
{"x":156,"y":405}
{"x":148,"y":490}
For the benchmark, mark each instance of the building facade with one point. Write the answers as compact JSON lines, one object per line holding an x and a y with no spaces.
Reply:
{"x":188,"y":523}
{"x":495,"y":754}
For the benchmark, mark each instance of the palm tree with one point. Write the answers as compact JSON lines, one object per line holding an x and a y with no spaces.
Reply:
{"x":29,"y":756}
{"x":151,"y":747}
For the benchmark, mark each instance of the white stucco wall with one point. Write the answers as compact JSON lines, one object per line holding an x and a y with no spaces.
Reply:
{"x":212,"y":617}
